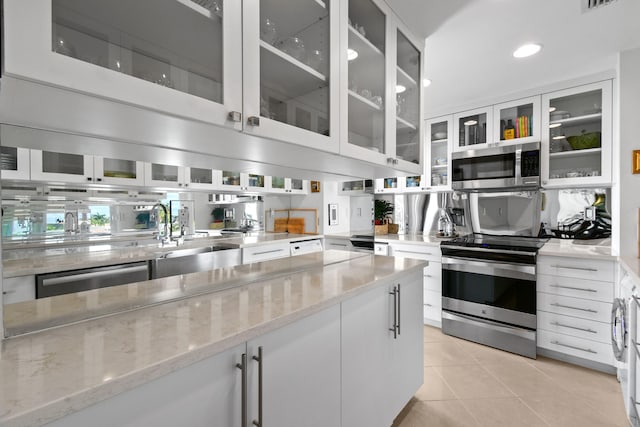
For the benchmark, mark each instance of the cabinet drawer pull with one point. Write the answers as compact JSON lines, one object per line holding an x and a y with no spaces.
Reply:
{"x":399,"y":308}
{"x":586,"y":350}
{"x":338,"y":244}
{"x":259,"y":359}
{"x":268,"y":252}
{"x":575,"y":268}
{"x":574,"y":288}
{"x":428,"y":305}
{"x":411,"y":252}
{"x":394,"y":328}
{"x":574,"y":327}
{"x":589,"y":310}
{"x":243,"y":367}
{"x":13,"y":291}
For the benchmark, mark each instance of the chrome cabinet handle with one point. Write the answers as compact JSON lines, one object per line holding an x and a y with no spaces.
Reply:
{"x":243,"y":367}
{"x":254,"y":121}
{"x":234,"y":116}
{"x":268,"y":252}
{"x":574,"y":327}
{"x":394,"y":328}
{"x":589,"y":310}
{"x":259,"y":358}
{"x":575,"y":268}
{"x":573,"y":288}
{"x":398,"y":322}
{"x":412,"y":252}
{"x":586,"y":350}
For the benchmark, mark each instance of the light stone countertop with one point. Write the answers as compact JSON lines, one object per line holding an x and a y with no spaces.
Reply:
{"x":596,"y":249}
{"x":632,"y":265}
{"x":23,"y":262}
{"x":49,"y":374}
{"x":420,"y":239}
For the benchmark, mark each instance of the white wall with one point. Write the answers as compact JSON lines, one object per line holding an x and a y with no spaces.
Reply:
{"x":628,"y":184}
{"x":329,"y":191}
{"x":361,"y":216}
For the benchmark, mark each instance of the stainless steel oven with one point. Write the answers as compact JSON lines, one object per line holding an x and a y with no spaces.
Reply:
{"x":362,"y":243}
{"x":511,"y":166}
{"x":489,"y":291}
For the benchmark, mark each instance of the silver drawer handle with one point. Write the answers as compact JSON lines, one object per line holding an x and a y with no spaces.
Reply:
{"x":574,"y":327}
{"x":589,"y":310}
{"x":575,"y":268}
{"x":337,"y":244}
{"x":9,"y":292}
{"x":428,"y":275}
{"x":574,"y":288}
{"x":268,"y":252}
{"x":428,"y":305}
{"x":586,"y":350}
{"x":412,"y":252}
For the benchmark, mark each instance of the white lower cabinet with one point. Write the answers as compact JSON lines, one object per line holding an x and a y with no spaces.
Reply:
{"x":337,"y":243}
{"x":300,"y":366}
{"x":206,"y":393}
{"x":265,"y":252}
{"x":381,"y":369}
{"x":574,"y":302}
{"x":18,"y":289}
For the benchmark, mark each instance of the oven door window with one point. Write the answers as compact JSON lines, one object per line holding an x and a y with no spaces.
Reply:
{"x":498,"y":166}
{"x":502,"y":292}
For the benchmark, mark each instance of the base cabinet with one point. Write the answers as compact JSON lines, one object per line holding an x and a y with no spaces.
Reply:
{"x":381,"y":369}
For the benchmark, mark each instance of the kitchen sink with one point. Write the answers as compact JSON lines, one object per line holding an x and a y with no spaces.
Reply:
{"x":191,"y":260}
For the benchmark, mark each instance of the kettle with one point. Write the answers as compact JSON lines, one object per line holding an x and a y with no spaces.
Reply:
{"x":446,"y":227}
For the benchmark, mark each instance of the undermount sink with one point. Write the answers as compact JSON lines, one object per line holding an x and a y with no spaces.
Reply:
{"x":191,"y":260}
{"x":185,"y":252}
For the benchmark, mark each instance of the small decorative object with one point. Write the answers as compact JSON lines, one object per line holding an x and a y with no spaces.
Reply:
{"x":315,"y":186}
{"x":268,"y":31}
{"x":382,"y":209}
{"x":294,"y":46}
{"x":333,"y":214}
{"x":636,"y":162}
{"x":315,"y":58}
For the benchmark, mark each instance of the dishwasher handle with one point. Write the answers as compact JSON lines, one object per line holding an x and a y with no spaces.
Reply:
{"x":92,"y":275}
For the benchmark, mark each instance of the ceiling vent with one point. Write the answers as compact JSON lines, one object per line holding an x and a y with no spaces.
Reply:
{"x":588,"y":5}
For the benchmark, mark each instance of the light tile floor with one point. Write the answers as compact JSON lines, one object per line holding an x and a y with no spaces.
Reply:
{"x":468,"y":384}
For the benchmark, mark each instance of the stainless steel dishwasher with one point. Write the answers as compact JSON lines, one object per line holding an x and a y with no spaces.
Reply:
{"x":184,"y":261}
{"x":65,"y":282}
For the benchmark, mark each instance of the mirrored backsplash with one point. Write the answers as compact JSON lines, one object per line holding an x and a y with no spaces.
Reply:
{"x":567,"y":213}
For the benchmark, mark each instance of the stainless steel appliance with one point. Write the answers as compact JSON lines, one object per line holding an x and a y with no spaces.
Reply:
{"x":305,"y":247}
{"x":362,"y":243}
{"x":489,"y":291}
{"x":65,"y":282}
{"x":512,"y":166}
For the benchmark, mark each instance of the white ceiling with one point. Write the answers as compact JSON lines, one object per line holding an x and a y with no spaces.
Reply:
{"x":469,"y":44}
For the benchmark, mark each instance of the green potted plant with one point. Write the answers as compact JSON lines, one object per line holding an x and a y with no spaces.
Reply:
{"x":382,"y":210}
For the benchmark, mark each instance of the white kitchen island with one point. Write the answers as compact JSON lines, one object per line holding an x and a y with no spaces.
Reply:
{"x":176,"y":363}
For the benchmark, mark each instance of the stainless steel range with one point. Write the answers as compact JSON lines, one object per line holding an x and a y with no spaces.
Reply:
{"x":489,"y":290}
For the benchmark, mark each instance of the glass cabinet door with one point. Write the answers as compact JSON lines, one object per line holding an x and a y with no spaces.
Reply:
{"x":230,"y":180}
{"x":161,"y":175}
{"x":517,"y":121}
{"x":200,"y":178}
{"x":65,"y":167}
{"x":14,"y":163}
{"x":439,"y":136}
{"x":577,"y":136}
{"x":277,"y":184}
{"x":255,"y":182}
{"x":289,"y":71}
{"x":408,"y":97}
{"x":179,"y":56}
{"x":472,"y":129}
{"x":118,"y":171}
{"x":366,"y":62}
{"x":298,"y":186}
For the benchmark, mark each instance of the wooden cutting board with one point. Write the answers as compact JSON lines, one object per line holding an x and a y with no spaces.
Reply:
{"x":296,"y":225}
{"x":280,"y":225}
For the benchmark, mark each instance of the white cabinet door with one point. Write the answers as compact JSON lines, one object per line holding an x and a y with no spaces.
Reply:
{"x":200,"y":178}
{"x":106,"y":49}
{"x":118,"y":171}
{"x":339,"y":244}
{"x":15,"y":163}
{"x":407,"y":357}
{"x":206,"y":393}
{"x":472,"y":129}
{"x":570,"y":158}
{"x":297,"y":186}
{"x":367,"y":355}
{"x":18,"y":289}
{"x":291,"y":68}
{"x":161,"y":175}
{"x":63,"y":167}
{"x":517,"y":122}
{"x":265,"y":252}
{"x":300,"y":369}
{"x":437,"y":164}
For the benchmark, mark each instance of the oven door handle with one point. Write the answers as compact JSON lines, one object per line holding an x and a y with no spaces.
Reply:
{"x":490,"y":268}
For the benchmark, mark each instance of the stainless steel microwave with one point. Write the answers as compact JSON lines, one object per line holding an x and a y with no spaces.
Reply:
{"x":512,"y":166}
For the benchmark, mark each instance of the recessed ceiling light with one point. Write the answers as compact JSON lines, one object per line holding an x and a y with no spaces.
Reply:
{"x":559,"y":137}
{"x":552,"y":109}
{"x":527,"y":50}
{"x":400,"y":88}
{"x":555,"y":125}
{"x":470,"y":122}
{"x":351,"y":54}
{"x":426,"y":82}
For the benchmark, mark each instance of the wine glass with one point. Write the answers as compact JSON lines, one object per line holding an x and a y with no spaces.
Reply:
{"x":268,"y":31}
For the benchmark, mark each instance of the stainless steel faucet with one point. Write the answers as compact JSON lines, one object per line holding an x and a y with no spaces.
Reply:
{"x":165,"y":237}
{"x":71,"y":222}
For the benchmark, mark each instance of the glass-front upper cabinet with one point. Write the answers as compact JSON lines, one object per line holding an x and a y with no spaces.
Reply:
{"x":472,"y":129}
{"x":180,"y":56}
{"x":517,"y":121}
{"x":118,"y":171}
{"x":438,"y":149}
{"x":408,"y":100}
{"x":291,"y":71}
{"x":14,"y":163}
{"x":364,"y":58}
{"x":577,"y":136}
